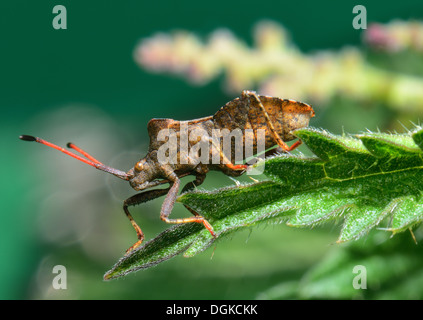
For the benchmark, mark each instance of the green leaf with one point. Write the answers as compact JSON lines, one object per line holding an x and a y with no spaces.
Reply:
{"x":362,"y":180}
{"x":166,"y":245}
{"x":408,"y":213}
{"x":388,"y":269}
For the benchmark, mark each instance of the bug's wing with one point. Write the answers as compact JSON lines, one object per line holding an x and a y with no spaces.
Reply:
{"x":244,"y":113}
{"x":232,"y":115}
{"x":239,"y":110}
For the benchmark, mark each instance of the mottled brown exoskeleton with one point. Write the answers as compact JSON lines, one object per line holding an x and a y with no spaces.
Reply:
{"x":278,"y":117}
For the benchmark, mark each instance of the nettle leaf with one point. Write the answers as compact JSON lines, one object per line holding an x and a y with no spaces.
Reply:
{"x":362,"y":180}
{"x":392,"y":271}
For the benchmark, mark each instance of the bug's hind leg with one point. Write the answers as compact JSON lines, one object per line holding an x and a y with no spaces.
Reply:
{"x":170,"y":201}
{"x":282,"y":145}
{"x":138,"y":199}
{"x":225,"y":160}
{"x":188,"y":187}
{"x":279,"y":150}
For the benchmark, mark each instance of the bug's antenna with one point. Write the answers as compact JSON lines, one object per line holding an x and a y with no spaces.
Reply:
{"x":70,"y":145}
{"x":90,"y":160}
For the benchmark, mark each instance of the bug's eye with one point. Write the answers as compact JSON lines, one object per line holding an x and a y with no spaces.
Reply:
{"x":139,"y":166}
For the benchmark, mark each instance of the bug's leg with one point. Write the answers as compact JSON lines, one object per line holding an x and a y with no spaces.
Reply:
{"x":225,"y":160}
{"x":191,"y":185}
{"x":280,"y":150}
{"x":169,"y":202}
{"x":138,"y":199}
{"x":199,"y":179}
{"x":236,"y":167}
{"x":273,"y":132}
{"x":188,"y":187}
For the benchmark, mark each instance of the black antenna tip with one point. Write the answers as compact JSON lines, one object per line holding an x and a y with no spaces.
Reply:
{"x":69,"y":145}
{"x":27,"y":138}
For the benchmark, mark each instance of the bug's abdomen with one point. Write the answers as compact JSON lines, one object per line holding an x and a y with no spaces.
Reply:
{"x":245,"y":113}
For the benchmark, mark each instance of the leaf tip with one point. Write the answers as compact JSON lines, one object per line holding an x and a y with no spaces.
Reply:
{"x":108,"y":276}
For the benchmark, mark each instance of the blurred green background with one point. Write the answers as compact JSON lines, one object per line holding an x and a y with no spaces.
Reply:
{"x":83,"y":85}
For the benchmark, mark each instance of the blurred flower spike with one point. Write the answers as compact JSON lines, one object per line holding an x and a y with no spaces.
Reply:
{"x":395,"y":36}
{"x":275,"y":66}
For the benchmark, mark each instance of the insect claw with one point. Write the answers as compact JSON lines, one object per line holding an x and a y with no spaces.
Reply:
{"x":214,"y":235}
{"x":235,"y":181}
{"x":209,"y":227}
{"x":255,"y":180}
{"x":133,"y":247}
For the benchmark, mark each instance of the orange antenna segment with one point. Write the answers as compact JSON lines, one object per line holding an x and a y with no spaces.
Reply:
{"x":90,"y":160}
{"x":85,"y":154}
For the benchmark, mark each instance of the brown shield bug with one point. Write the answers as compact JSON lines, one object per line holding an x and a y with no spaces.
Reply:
{"x":274,"y":117}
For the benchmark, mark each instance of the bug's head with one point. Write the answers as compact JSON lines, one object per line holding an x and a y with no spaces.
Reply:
{"x":143,"y":173}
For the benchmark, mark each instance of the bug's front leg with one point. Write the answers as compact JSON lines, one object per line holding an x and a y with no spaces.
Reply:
{"x":138,"y":199}
{"x":169,"y":202}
